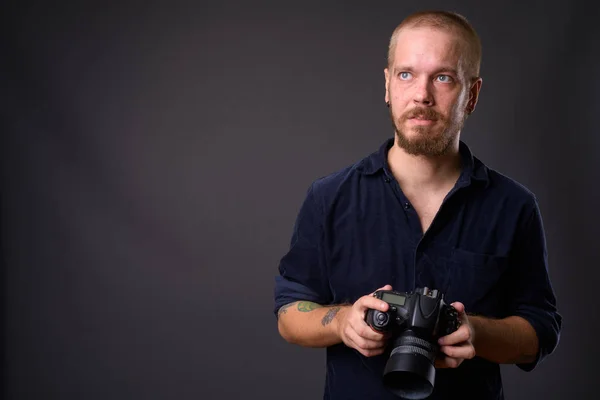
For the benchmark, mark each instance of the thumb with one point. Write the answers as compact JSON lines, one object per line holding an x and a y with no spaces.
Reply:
{"x":386,"y":287}
{"x":370,"y":301}
{"x":460,"y":307}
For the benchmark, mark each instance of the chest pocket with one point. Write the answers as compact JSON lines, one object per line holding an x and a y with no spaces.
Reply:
{"x":474,"y":278}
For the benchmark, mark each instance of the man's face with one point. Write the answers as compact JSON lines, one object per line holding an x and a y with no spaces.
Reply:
{"x":428,"y":91}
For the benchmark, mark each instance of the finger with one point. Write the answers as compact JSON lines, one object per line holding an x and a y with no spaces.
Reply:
{"x":349,"y":342}
{"x":447,"y":362}
{"x":461,"y":335}
{"x":370,"y":353}
{"x":440,"y":362}
{"x":466,"y":351}
{"x":369,"y":350}
{"x":347,"y":338}
{"x":367,"y":344}
{"x":373,"y":352}
{"x":366,"y":332}
{"x":362,"y":343}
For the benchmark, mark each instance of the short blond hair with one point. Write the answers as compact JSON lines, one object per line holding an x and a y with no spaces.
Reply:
{"x":448,"y":21}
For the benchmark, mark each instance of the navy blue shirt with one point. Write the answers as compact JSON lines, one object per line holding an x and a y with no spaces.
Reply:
{"x":356,"y":231}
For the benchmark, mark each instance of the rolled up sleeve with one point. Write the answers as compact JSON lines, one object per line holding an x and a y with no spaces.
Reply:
{"x":533,"y":297}
{"x":302,"y":272}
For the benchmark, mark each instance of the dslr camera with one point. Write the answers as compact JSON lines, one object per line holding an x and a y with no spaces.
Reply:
{"x":416,"y":320}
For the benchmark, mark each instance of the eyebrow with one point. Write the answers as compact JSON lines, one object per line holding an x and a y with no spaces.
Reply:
{"x":402,"y":68}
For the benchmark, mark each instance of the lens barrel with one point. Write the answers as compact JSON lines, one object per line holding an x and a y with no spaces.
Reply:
{"x":410,"y":370}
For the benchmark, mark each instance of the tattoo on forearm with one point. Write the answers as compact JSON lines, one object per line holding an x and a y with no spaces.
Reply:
{"x":283,"y":309}
{"x":329,"y":316}
{"x":306,"y":306}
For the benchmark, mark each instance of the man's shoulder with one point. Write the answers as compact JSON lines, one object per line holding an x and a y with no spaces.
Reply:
{"x":506,"y":186}
{"x":333,"y":180}
{"x":330,"y":184}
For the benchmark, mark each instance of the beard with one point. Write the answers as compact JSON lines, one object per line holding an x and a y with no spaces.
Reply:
{"x":426,"y":140}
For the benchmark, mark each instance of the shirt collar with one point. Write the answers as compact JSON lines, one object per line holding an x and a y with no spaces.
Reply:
{"x":472,"y":168}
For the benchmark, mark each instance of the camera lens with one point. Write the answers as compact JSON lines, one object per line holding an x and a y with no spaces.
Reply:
{"x":410,"y":371}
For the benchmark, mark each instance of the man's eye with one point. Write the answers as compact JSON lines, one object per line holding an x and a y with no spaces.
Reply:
{"x":404,"y":75}
{"x":444,"y":78}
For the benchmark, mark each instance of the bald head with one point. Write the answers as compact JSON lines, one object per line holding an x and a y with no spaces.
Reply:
{"x":470,"y":45}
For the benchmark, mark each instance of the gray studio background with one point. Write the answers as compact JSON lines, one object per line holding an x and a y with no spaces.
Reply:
{"x":154,"y":158}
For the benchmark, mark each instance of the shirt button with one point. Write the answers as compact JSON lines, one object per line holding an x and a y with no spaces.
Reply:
{"x":406,"y":206}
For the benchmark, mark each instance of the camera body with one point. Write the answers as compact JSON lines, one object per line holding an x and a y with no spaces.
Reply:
{"x":416,"y":320}
{"x":423,"y":310}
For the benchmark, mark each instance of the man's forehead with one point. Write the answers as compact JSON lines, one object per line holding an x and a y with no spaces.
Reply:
{"x":423,"y":42}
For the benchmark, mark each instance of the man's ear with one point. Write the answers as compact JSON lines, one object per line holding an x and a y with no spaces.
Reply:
{"x":387,"y":85}
{"x":474,"y":95}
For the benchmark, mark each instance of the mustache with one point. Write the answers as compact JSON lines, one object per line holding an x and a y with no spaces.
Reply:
{"x":426,"y":113}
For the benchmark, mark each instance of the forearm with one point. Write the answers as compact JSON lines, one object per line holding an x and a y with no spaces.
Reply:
{"x":310,"y":324}
{"x":510,"y":340}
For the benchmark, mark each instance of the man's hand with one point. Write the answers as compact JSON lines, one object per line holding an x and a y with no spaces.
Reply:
{"x":354,"y":331}
{"x":458,"y":346}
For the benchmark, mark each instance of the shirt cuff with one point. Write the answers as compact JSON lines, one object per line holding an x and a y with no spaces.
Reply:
{"x":287,"y":291}
{"x":547,"y":340}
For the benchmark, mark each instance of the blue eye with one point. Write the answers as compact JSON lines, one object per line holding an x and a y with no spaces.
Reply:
{"x":444,"y":78}
{"x":404,"y":75}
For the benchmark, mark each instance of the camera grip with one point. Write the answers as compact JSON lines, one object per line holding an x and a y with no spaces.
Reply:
{"x":450,"y":322}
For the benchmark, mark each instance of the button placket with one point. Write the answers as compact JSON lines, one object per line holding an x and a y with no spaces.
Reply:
{"x":405,"y":204}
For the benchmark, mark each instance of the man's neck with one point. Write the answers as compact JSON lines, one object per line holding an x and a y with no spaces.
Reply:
{"x":430,"y":173}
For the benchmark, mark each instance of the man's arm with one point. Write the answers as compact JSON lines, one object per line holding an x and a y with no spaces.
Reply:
{"x":532,"y":332}
{"x":309,"y":324}
{"x":533,"y":322}
{"x":510,"y":340}
{"x":312,"y":325}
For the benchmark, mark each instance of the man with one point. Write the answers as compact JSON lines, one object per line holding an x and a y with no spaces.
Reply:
{"x":421,"y":212}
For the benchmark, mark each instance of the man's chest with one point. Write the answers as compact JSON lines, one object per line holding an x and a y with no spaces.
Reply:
{"x":426,"y":207}
{"x":460,"y":254}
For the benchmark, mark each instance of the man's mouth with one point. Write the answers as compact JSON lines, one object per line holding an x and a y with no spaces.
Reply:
{"x":422,"y":118}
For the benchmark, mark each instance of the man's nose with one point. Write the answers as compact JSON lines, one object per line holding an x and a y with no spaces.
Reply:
{"x":423,"y":92}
